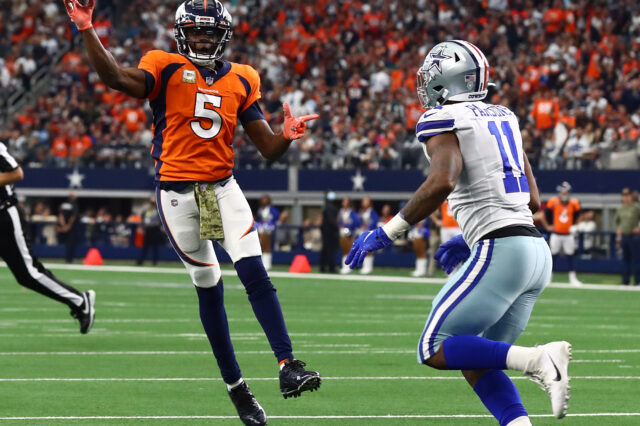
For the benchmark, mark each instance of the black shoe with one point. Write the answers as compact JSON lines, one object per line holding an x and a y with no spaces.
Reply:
{"x":86,"y":312}
{"x":294,"y":379}
{"x":250,"y":412}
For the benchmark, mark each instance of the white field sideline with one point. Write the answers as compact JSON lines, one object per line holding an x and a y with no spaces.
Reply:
{"x":328,"y":417}
{"x":269,"y":379}
{"x":330,"y":277}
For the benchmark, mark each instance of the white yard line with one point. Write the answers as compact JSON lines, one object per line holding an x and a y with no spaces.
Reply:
{"x":270,"y":379}
{"x":330,"y":277}
{"x":371,"y":351}
{"x":329,"y":417}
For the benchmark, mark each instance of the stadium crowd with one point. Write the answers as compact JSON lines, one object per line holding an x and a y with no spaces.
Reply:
{"x":30,"y":34}
{"x":569,"y":69}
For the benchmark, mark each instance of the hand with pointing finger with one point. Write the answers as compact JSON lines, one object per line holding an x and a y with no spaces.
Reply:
{"x":294,"y":127}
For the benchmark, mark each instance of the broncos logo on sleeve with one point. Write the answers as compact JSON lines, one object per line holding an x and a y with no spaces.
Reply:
{"x":195,"y":113}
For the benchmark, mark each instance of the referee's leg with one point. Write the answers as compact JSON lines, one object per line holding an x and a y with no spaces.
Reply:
{"x":28,"y":271}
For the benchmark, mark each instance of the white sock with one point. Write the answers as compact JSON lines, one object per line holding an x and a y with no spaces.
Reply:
{"x":520,"y":421}
{"x":519,"y":356}
{"x":572,"y":275}
{"x":344,"y":267}
{"x":367,"y":264}
{"x":421,"y":266}
{"x":234,"y":384}
{"x":266,"y":260}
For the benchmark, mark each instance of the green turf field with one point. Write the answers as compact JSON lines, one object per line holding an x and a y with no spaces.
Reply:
{"x":147,"y":354}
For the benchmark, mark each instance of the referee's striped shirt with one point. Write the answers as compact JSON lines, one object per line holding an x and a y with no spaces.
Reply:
{"x":7,"y":164}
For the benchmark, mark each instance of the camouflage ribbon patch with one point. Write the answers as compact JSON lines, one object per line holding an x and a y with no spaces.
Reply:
{"x":210,"y":219}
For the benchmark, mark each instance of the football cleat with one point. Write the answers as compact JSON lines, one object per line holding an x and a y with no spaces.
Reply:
{"x":249,"y":410}
{"x":294,"y":379}
{"x":550,"y":371}
{"x":86,"y":312}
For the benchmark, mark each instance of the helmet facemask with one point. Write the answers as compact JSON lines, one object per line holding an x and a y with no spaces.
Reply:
{"x":429,"y":97}
{"x":202,"y":31}
{"x":202,"y":44}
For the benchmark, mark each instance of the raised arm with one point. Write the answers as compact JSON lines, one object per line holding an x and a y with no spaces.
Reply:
{"x":273,"y":145}
{"x":131,"y":81}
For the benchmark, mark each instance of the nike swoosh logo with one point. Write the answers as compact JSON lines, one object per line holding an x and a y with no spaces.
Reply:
{"x":558,"y":375}
{"x":86,"y":304}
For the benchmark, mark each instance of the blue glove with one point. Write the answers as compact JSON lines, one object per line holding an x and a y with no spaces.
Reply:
{"x":451,"y":253}
{"x":367,"y":242}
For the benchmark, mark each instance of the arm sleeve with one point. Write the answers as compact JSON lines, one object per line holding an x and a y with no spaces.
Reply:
{"x":434,"y":122}
{"x":252,"y":86}
{"x":252,"y":113}
{"x":151,"y":65}
{"x":7,"y":162}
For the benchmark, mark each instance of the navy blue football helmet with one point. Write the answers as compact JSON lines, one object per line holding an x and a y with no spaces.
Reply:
{"x":202,"y":30}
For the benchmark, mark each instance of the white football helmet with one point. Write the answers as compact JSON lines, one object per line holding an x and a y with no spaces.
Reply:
{"x":454,"y":70}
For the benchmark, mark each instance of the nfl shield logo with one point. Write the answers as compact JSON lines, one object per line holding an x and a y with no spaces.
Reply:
{"x":174,"y":203}
{"x":209,"y":80}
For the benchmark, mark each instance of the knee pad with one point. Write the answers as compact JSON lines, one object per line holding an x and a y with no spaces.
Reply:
{"x":253,"y":276}
{"x":205,"y":276}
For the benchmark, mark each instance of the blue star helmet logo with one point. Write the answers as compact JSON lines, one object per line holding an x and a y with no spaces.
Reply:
{"x":436,"y":58}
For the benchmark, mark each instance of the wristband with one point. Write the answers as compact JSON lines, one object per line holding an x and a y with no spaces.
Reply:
{"x":396,"y":226}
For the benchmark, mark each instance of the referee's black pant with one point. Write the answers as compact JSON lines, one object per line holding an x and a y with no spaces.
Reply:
{"x":28,"y":271}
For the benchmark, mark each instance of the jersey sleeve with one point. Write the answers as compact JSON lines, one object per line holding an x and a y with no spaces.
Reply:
{"x":576,"y":205}
{"x":251,"y":82}
{"x":7,"y":162}
{"x":551,"y":203}
{"x":152,"y":64}
{"x":434,"y":122}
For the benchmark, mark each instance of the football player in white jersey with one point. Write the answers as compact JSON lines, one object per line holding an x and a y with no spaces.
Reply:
{"x":478,"y":164}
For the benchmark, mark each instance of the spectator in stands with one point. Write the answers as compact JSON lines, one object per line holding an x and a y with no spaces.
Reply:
{"x":68,"y":225}
{"x":585,"y":226}
{"x":330,"y":234}
{"x":153,"y":235}
{"x":120,"y":232}
{"x":627,"y":223}
{"x":385,"y":215}
{"x":312,"y":235}
{"x":553,"y":62}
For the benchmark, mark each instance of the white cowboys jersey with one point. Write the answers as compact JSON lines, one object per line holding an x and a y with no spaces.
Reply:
{"x":492,"y":191}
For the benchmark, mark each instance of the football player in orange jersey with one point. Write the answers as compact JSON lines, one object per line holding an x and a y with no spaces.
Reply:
{"x":197,"y":99}
{"x":560,"y":215}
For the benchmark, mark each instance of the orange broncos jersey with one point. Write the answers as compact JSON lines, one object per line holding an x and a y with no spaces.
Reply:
{"x":563,"y":214}
{"x":195,"y":112}
{"x":447,"y":216}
